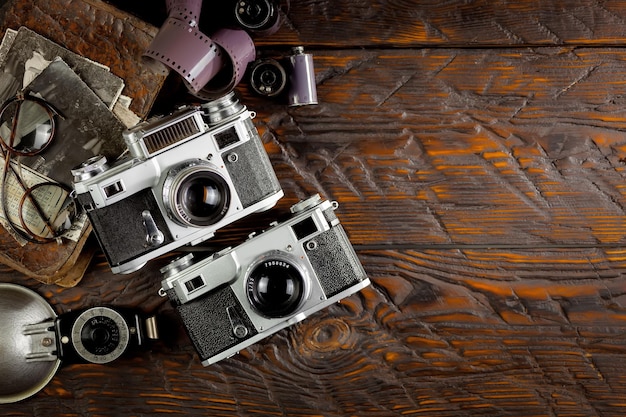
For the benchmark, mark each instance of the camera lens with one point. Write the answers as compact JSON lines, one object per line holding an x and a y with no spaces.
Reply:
{"x":275,"y":288}
{"x":100,"y":335}
{"x":203,"y":197}
{"x":268,"y":77}
{"x":196,"y":195}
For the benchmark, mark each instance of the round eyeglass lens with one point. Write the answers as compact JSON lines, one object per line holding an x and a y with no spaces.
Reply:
{"x":26,"y":126}
{"x":47,"y":210}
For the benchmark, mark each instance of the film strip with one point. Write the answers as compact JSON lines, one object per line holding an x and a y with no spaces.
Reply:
{"x":185,"y":10}
{"x":237,"y":52}
{"x":193,"y":55}
{"x":210,"y":66}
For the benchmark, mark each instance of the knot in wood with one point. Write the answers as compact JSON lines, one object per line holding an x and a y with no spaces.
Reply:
{"x":329,"y":335}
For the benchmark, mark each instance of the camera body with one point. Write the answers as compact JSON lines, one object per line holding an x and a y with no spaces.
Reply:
{"x":239,"y":296}
{"x":188,"y":175}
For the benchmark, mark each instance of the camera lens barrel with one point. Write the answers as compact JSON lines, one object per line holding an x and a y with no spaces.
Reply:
{"x":195,"y":195}
{"x":276,"y":288}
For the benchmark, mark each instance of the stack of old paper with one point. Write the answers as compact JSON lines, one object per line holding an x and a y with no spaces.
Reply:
{"x":93,"y":113}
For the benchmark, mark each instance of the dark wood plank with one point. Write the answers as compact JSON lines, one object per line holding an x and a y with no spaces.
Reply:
{"x":400,"y":24}
{"x":441,"y":332}
{"x":391,"y":24}
{"x":479,"y":146}
{"x":483,"y":190}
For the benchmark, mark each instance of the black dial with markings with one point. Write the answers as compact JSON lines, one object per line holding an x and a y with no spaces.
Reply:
{"x":100,"y":335}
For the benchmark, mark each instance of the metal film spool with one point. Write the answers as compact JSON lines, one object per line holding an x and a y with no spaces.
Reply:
{"x":21,"y":378}
{"x":261,"y":17}
{"x":267,"y":77}
{"x":185,"y":10}
{"x":186,"y":50}
{"x":302,"y":88}
{"x":240,"y":51}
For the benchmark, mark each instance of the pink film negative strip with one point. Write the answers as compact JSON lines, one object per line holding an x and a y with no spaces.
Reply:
{"x":193,"y":55}
{"x":187,"y":11}
{"x":210,"y":66}
{"x":238,"y":51}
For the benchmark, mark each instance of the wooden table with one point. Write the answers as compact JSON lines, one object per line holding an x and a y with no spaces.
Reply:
{"x":477,"y":150}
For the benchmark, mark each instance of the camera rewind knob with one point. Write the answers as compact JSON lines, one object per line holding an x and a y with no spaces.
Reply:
{"x":306,"y":204}
{"x":177,"y":265}
{"x":90,"y":168}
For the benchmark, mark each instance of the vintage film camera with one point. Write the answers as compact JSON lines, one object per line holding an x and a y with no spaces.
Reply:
{"x":291,"y":79}
{"x":239,"y":296}
{"x":189,"y":174}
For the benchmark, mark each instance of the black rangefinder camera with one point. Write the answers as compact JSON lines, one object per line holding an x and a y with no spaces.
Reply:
{"x":239,"y":296}
{"x":188,"y":175}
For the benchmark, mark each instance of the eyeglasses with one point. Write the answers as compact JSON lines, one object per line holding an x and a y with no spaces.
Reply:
{"x":35,"y":208}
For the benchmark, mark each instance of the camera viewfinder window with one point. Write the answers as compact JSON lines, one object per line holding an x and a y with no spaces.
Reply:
{"x":227,"y":137}
{"x":304,"y":228}
{"x":113,"y":189}
{"x":194,"y":284}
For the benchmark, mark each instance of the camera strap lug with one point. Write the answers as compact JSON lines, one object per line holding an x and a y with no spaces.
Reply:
{"x":43,"y":345}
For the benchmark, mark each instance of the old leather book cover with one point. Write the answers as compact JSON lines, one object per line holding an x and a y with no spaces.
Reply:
{"x":106,"y":35}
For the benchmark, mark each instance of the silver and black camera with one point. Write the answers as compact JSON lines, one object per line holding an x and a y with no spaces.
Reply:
{"x":188,"y":175}
{"x":239,"y":296}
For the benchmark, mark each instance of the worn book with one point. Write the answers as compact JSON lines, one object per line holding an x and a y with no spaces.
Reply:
{"x":27,"y":50}
{"x":33,"y":49}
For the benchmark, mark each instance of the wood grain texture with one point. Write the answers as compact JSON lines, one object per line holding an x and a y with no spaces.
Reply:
{"x":441,"y":332}
{"x":481,"y":181}
{"x":488,"y":147}
{"x":348,"y":23}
